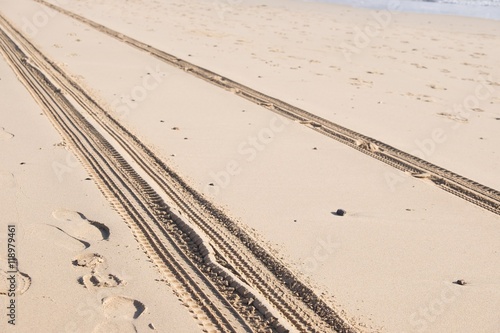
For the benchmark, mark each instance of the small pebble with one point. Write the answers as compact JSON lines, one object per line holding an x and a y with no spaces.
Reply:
{"x":211,"y":184}
{"x":461,"y":282}
{"x":151,"y":326}
{"x":22,"y":163}
{"x":340,"y":212}
{"x":175,"y":128}
{"x":315,"y":148}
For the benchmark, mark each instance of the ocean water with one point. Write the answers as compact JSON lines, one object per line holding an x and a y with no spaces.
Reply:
{"x":487,"y":9}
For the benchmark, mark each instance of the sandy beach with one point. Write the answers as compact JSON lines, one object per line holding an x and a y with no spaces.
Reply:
{"x":178,"y":166}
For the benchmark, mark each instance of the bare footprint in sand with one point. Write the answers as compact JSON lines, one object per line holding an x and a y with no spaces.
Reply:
{"x":89,"y":260}
{"x":22,"y":281}
{"x":78,"y":226}
{"x":4,"y":135}
{"x":96,"y":280}
{"x":115,"y":326}
{"x":120,"y":307}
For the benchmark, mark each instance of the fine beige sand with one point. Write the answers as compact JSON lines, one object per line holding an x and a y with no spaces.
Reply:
{"x":428,"y":85}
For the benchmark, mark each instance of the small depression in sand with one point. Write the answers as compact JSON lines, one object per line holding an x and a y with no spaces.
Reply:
{"x":120,"y":307}
{"x":22,"y":281}
{"x":89,"y":260}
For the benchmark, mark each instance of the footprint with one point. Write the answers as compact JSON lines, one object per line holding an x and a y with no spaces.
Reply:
{"x":454,"y":117}
{"x":92,"y":280}
{"x":115,"y":326}
{"x":359,"y":82}
{"x":22,"y":280}
{"x":493,"y":83}
{"x":4,"y":135}
{"x":434,"y":86}
{"x":79,"y":226}
{"x":89,"y":260}
{"x":472,"y":65}
{"x":120,"y":307}
{"x":425,"y":98}
{"x":419,"y":66}
{"x":477,"y":55}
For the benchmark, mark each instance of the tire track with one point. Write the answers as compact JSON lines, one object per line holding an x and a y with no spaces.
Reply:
{"x":467,"y":189}
{"x":132,"y":197}
{"x":250,"y":286}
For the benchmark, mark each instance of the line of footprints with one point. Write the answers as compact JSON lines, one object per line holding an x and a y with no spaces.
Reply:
{"x":119,"y":311}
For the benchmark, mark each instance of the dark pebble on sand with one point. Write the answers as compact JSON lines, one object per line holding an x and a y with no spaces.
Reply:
{"x":340,"y":212}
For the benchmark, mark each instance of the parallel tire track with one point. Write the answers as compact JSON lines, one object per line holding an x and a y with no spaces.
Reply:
{"x":474,"y":192}
{"x":270,"y":294}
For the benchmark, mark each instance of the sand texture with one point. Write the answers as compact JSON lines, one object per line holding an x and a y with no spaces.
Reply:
{"x":248,"y":166}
